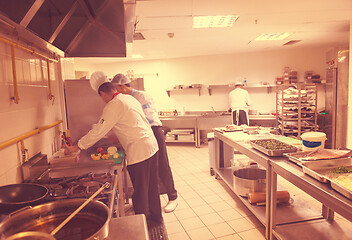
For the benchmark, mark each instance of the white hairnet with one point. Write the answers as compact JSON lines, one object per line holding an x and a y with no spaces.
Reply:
{"x":120,"y":79}
{"x":97,"y":79}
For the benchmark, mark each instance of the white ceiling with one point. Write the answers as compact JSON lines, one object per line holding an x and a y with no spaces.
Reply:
{"x":314,"y":22}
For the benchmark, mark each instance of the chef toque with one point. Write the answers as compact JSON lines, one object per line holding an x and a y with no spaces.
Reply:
{"x":120,"y":79}
{"x":97,"y":79}
{"x":238,"y":81}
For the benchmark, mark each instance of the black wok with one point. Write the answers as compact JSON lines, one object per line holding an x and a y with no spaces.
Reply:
{"x":16,"y":196}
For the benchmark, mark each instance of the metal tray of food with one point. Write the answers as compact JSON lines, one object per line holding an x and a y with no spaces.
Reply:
{"x":345,"y":188}
{"x":318,"y":155}
{"x":325,"y":170}
{"x":272,"y":147}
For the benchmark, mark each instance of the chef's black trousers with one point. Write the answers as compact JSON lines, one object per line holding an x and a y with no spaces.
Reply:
{"x":165,"y":174}
{"x":242,"y":117}
{"x":146,"y":198}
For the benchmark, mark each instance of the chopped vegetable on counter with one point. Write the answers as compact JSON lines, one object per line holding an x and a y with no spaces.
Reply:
{"x":341,"y":169}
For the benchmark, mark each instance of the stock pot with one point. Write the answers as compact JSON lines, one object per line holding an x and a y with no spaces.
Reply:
{"x":92,"y":222}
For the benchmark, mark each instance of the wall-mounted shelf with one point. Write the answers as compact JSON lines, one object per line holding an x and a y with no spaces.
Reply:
{"x":230,"y":87}
{"x":183,"y":89}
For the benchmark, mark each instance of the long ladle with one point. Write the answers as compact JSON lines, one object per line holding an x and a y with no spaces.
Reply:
{"x":106,"y":185}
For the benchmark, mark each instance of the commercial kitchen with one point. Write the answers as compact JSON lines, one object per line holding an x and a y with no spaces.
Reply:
{"x":292,"y":58}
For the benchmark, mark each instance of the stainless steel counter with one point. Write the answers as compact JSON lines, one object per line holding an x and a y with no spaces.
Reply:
{"x":129,"y":227}
{"x":298,"y":220}
{"x":206,"y":121}
{"x":85,"y":164}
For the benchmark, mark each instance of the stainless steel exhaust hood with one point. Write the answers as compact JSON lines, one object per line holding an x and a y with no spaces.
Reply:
{"x":79,"y":28}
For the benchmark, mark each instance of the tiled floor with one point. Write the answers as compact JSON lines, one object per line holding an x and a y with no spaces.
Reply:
{"x":206,"y":208}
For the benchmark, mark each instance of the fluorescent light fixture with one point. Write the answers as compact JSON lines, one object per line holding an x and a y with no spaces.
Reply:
{"x":137,"y":56}
{"x":214,"y":21}
{"x":272,"y":36}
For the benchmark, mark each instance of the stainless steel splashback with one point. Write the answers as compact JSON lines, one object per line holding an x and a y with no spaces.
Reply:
{"x":336,"y":95}
{"x":83,"y":107}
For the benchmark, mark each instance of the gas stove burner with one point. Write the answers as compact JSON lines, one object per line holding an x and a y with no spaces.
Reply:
{"x":86,"y":189}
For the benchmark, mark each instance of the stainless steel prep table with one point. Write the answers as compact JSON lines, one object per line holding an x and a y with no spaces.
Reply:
{"x":130,"y":227}
{"x":208,"y":121}
{"x":85,"y":163}
{"x":280,"y":221}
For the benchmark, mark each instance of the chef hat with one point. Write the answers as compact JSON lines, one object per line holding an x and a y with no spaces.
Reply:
{"x":97,"y":79}
{"x":238,"y":82}
{"x":120,"y":79}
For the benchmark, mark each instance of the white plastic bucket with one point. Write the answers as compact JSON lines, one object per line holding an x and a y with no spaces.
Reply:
{"x":313,"y":140}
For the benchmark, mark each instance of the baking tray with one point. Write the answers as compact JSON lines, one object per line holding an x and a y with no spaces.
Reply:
{"x":322,"y":171}
{"x":341,"y":189}
{"x":272,"y":153}
{"x":299,"y":156}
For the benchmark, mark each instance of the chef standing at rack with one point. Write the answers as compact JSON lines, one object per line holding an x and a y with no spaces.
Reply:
{"x":239,"y":103}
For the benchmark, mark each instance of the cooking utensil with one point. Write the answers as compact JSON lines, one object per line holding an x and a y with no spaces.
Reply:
{"x":92,"y":222}
{"x":106,"y":185}
{"x":16,"y":196}
{"x":260,"y":197}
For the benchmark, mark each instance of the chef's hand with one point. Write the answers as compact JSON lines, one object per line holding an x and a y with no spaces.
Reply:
{"x":71,"y":149}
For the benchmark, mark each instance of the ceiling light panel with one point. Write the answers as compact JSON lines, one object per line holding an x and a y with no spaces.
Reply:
{"x":214,"y":21}
{"x":272,"y":36}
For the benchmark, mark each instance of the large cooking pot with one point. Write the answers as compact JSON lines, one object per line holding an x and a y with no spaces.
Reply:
{"x":248,"y":180}
{"x":16,"y":196}
{"x":92,"y":222}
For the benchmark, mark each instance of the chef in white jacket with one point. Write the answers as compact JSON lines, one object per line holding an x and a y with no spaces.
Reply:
{"x":239,"y":103}
{"x":123,"y":115}
{"x":122,"y":84}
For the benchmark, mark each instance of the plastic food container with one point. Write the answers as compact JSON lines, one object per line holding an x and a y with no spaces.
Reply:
{"x":313,"y":140}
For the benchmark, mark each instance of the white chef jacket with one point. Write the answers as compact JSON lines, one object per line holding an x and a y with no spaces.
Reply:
{"x":124,"y":115}
{"x":148,"y":107}
{"x":239,"y":99}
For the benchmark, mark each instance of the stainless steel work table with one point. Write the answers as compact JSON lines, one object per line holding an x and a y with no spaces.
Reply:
{"x":294,"y":221}
{"x":85,"y":163}
{"x":129,"y":228}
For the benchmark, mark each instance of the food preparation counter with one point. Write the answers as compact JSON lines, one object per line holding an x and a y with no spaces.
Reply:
{"x":206,"y":121}
{"x":299,"y":220}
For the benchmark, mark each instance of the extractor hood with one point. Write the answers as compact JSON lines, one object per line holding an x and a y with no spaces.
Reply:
{"x":79,"y":28}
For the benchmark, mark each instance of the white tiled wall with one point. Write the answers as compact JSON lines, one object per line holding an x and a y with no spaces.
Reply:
{"x":34,"y":108}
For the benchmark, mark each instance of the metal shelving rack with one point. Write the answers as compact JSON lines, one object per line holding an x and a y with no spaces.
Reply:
{"x":296,"y":109}
{"x":183,"y":89}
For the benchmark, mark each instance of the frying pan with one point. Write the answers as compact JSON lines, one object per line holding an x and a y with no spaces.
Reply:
{"x":16,"y":196}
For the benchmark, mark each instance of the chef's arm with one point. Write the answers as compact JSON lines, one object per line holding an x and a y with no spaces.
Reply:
{"x":106,"y":123}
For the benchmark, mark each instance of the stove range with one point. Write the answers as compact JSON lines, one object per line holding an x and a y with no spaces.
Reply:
{"x":82,"y":186}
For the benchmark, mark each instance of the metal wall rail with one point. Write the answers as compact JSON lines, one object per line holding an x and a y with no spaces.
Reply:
{"x":16,"y":97}
{"x":2,"y":39}
{"x":27,"y":135}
